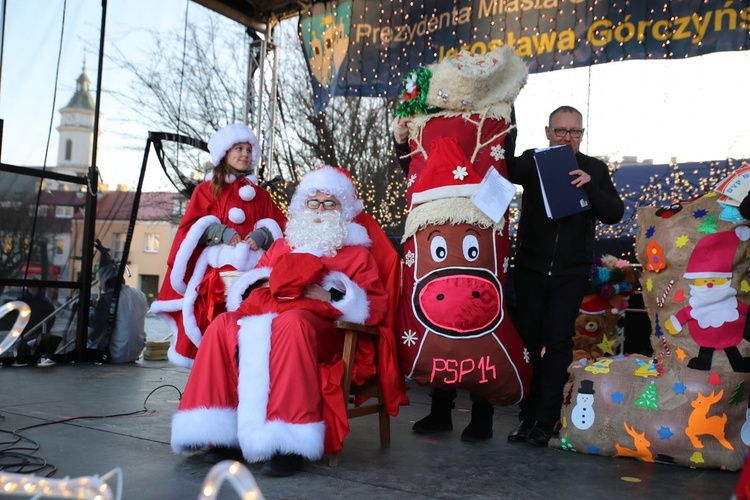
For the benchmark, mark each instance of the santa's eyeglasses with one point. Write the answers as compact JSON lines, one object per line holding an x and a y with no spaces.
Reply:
{"x":326,"y":204}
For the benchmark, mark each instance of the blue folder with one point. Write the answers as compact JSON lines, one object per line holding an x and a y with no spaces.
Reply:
{"x":561,"y":198}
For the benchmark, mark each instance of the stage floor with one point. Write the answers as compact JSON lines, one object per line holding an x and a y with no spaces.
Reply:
{"x":414,"y":467}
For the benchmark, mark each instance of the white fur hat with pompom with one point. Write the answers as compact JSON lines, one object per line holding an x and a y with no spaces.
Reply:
{"x":227,"y":137}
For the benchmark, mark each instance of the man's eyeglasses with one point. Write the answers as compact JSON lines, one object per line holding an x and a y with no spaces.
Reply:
{"x":575,"y":133}
{"x":327,"y":204}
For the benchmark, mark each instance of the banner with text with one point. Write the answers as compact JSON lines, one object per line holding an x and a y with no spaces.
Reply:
{"x":365,"y":47}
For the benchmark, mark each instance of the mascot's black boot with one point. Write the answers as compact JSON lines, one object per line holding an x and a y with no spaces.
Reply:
{"x":480,"y":426}
{"x":439,"y":419}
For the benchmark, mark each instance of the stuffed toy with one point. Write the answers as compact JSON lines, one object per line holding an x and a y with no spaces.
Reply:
{"x":590,"y":330}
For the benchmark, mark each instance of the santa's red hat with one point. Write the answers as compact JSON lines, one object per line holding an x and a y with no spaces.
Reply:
{"x":448,"y":173}
{"x":597,"y":305}
{"x":713,"y":256}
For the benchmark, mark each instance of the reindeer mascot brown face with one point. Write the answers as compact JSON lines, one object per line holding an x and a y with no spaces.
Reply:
{"x":457,"y":293}
{"x":454,"y":326}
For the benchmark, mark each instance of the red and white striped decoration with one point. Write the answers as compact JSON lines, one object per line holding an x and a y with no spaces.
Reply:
{"x":660,"y":300}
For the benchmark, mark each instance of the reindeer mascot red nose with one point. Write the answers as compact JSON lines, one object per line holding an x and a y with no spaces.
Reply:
{"x":454,"y":326}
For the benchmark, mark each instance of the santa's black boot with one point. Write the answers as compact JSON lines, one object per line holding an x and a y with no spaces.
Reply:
{"x":703,"y":360}
{"x":738,"y":363}
{"x":439,"y":419}
{"x":480,"y":426}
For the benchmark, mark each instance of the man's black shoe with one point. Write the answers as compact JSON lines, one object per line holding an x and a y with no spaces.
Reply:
{"x":539,"y":436}
{"x":282,"y":465}
{"x":520,"y":433}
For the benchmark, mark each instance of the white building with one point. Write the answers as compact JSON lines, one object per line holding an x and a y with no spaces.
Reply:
{"x":76,"y":131}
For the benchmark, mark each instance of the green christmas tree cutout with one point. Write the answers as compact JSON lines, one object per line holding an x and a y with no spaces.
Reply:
{"x":737,"y":394}
{"x":566,"y":445}
{"x":649,"y":398}
{"x":708,"y":226}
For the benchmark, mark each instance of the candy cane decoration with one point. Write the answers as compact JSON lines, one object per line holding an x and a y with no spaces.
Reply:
{"x":660,"y":300}
{"x":666,"y":347}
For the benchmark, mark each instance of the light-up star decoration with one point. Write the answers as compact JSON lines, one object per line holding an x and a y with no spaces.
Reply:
{"x":23,"y":318}
{"x":86,"y":487}
{"x":239,"y":477}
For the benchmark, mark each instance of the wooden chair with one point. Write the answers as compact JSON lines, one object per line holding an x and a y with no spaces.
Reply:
{"x":371,"y":388}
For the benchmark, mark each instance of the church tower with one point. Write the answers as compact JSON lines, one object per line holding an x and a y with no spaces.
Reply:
{"x":76,"y":130}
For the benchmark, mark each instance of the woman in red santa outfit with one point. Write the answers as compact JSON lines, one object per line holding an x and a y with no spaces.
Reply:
{"x":258,"y":377}
{"x":230,"y":220}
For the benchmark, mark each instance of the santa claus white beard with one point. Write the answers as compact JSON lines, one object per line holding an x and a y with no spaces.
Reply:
{"x":319,"y":233}
{"x":712,"y":307}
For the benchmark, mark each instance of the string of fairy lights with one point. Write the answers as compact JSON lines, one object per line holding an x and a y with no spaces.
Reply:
{"x":599,"y":29}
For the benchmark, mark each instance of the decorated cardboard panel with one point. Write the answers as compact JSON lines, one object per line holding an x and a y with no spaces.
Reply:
{"x":688,"y":404}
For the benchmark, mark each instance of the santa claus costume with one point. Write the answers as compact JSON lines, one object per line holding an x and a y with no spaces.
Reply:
{"x":193,"y":291}
{"x":260,"y":381}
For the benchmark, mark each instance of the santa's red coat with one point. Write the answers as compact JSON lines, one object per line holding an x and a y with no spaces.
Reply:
{"x":193,"y":292}
{"x":729,"y":334}
{"x":270,"y":383}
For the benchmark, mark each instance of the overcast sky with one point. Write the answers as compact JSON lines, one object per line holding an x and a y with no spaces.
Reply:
{"x":692,"y":109}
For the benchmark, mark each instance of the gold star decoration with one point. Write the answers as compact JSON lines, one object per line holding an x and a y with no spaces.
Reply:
{"x":681,"y":241}
{"x":680,"y":353}
{"x":606,"y":345}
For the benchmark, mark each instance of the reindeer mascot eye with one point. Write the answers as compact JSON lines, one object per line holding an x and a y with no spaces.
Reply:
{"x":438,"y":249}
{"x":471,"y":247}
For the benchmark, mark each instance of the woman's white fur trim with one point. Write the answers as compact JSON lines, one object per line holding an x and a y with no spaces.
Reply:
{"x":178,"y":359}
{"x":187,"y":247}
{"x":272,"y":226}
{"x":236,"y":215}
{"x":247,"y":192}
